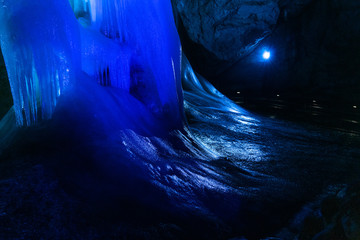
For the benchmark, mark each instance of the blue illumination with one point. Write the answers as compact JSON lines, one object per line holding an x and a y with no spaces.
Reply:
{"x":266,"y":55}
{"x":131,"y":45}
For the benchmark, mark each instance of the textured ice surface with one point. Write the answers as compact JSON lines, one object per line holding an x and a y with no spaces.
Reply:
{"x":40,"y":43}
{"x":133,"y":45}
{"x":130,"y":45}
{"x":227,"y":172}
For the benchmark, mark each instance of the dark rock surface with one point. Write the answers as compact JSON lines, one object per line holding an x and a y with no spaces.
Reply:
{"x":313,"y":43}
{"x":314,"y":53}
{"x":223,"y":31}
{"x":228,"y":29}
{"x":5,"y":93}
{"x":335,"y":215}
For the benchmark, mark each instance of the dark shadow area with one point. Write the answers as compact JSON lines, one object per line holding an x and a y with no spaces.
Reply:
{"x":314,"y":55}
{"x":5,"y":92}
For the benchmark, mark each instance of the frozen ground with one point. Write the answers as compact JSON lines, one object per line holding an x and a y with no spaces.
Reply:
{"x":232,"y":173}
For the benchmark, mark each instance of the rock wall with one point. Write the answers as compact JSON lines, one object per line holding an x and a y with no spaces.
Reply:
{"x":228,"y":29}
{"x":224,"y":31}
{"x":314,"y":44}
{"x":221,"y":32}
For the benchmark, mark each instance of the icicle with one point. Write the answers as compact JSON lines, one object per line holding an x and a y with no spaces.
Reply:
{"x":39,"y":54}
{"x":119,"y":37}
{"x":101,"y":55}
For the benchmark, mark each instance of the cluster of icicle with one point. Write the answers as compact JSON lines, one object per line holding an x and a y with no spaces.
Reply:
{"x":127,"y":44}
{"x":40,"y":55}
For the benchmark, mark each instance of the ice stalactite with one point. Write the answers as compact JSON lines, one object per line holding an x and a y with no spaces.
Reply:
{"x":128,"y":44}
{"x":104,"y":60}
{"x":133,"y":45}
{"x":39,"y":43}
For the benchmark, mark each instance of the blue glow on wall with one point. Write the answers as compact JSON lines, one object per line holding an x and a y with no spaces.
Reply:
{"x":266,"y":55}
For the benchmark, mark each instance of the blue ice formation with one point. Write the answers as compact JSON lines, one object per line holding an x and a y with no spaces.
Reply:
{"x":40,"y":45}
{"x":201,"y":96}
{"x":130,"y":45}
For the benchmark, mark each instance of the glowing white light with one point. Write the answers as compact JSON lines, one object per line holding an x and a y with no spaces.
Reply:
{"x":238,"y":92}
{"x":355,"y":107}
{"x":266,"y":55}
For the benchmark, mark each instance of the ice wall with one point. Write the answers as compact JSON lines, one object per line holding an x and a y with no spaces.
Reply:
{"x":39,"y":41}
{"x":134,"y":45}
{"x":106,"y":61}
{"x":128,"y":44}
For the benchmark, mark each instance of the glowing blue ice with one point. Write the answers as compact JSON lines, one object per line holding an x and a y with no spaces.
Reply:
{"x":39,"y":42}
{"x":128,"y":44}
{"x":134,"y":45}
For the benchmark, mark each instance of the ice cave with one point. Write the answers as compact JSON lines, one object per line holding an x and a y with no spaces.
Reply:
{"x":180,"y":119}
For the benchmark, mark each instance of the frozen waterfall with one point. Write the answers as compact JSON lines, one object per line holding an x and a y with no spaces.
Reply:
{"x":40,"y":44}
{"x":131,"y":45}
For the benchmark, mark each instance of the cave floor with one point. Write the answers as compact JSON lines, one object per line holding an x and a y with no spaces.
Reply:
{"x":267,"y":169}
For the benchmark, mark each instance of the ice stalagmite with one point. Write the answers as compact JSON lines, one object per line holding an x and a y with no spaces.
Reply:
{"x":39,"y":41}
